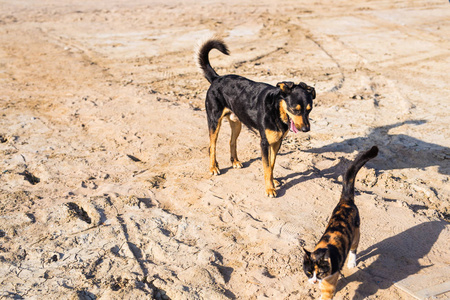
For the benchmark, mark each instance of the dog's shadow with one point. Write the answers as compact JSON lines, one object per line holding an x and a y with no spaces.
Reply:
{"x":396,"y":258}
{"x":295,"y":178}
{"x":249,"y":162}
{"x":397,"y":151}
{"x":245,"y":165}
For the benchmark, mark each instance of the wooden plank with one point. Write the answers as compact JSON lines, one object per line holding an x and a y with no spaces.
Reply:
{"x":421,"y":286}
{"x":434,"y":290}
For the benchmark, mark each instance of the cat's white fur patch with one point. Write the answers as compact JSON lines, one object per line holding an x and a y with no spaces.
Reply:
{"x":351,"y":263}
{"x":314,"y":279}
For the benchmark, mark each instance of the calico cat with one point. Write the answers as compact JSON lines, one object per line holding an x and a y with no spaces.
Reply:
{"x":341,"y":235}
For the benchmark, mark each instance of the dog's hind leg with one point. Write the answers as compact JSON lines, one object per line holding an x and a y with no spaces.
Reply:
{"x":236,"y":126}
{"x":215,"y":117}
{"x":213,"y":134}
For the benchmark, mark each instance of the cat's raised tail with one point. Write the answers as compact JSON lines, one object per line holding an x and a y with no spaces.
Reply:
{"x":348,"y":188}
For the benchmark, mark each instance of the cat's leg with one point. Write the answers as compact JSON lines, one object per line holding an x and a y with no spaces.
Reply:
{"x":351,"y":263}
{"x":328,"y":286}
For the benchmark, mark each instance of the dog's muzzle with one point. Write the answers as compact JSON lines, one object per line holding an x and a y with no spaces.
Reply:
{"x":293,"y":128}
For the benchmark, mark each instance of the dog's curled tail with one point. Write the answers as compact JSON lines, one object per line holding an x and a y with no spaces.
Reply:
{"x":203,"y":59}
{"x":348,"y":189}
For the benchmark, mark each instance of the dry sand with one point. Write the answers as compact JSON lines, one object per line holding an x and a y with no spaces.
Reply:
{"x":105,"y":191}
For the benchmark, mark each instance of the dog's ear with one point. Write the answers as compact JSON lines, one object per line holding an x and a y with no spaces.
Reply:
{"x":309,"y":89}
{"x":312,"y":91}
{"x":285,"y":86}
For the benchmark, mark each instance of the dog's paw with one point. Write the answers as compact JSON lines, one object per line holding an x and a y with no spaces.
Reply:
{"x":237,"y":164}
{"x":276,"y":183}
{"x":270,"y":192}
{"x":215,"y":170}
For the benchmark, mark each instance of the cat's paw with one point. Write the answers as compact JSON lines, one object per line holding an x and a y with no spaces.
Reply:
{"x":351,"y":260}
{"x":351,"y":264}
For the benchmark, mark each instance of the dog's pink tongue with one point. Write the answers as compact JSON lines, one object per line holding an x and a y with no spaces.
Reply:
{"x":293,"y":128}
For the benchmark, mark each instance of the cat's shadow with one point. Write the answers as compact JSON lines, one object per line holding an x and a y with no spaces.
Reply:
{"x":397,"y":258}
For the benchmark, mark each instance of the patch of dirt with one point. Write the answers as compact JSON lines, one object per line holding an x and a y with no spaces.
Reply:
{"x":105,"y":188}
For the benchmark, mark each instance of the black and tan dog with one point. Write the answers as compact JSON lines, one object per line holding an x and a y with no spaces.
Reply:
{"x":270,"y":110}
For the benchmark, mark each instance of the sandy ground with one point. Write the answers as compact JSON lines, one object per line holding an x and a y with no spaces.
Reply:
{"x":105,"y":191}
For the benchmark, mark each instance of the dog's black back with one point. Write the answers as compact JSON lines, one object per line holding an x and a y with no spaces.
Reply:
{"x":268,"y":109}
{"x":254,"y":103}
{"x":247,"y":99}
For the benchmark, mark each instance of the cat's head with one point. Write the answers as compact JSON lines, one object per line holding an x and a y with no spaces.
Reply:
{"x":317,"y":265}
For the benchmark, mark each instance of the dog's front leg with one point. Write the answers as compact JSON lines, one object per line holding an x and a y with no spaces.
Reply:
{"x":273,"y":151}
{"x":268,"y":171}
